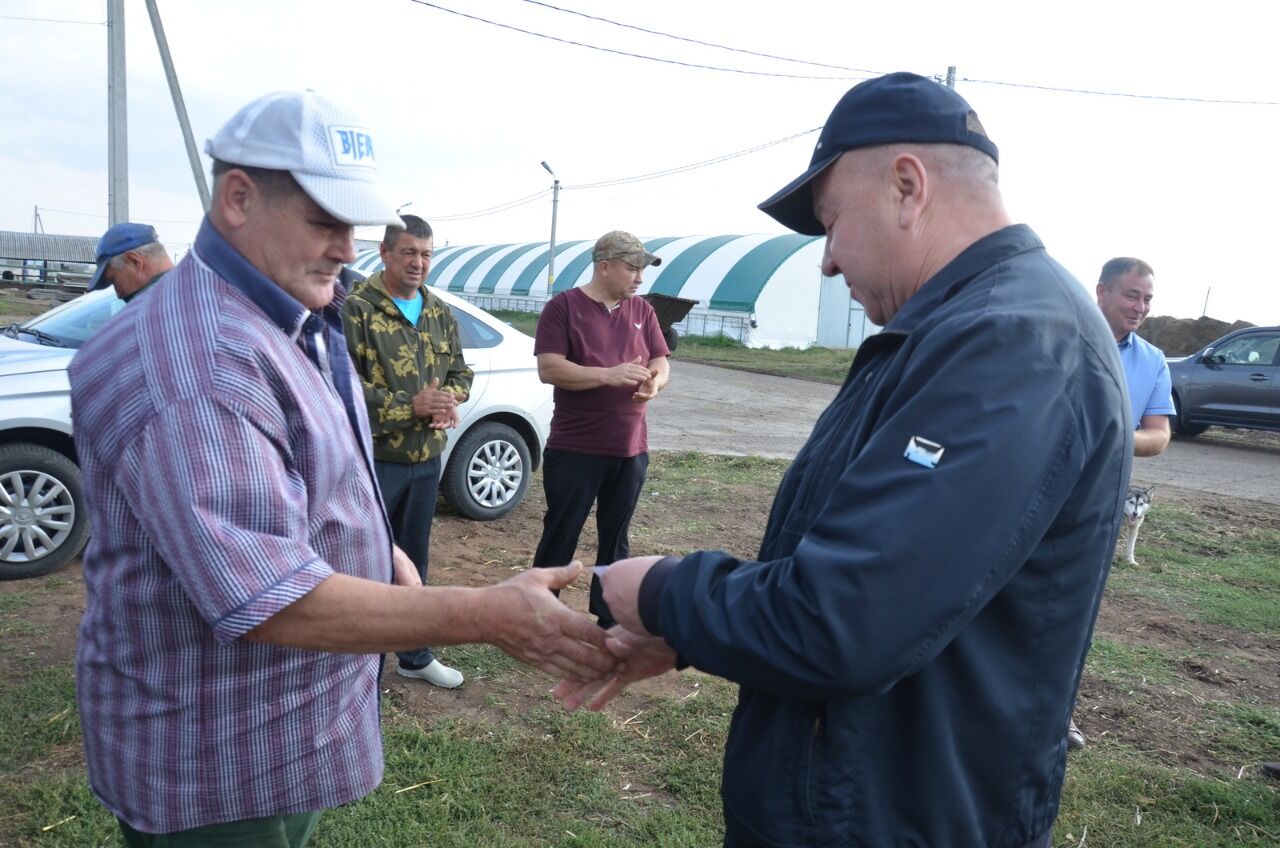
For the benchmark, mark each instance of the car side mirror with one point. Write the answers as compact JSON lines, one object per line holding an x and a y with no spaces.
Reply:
{"x":1207,"y":356}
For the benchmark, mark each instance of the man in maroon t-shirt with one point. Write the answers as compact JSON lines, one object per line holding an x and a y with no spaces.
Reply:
{"x":602,"y":348}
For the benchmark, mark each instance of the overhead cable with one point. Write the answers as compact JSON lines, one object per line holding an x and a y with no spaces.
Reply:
{"x":51,"y":20}
{"x":653,"y":175}
{"x":1123,"y":93}
{"x":863,"y":73}
{"x":493,"y":210}
{"x":702,"y":43}
{"x":625,"y":53}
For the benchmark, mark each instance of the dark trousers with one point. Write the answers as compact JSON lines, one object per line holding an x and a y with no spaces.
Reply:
{"x":291,"y":831}
{"x":409,"y":490}
{"x":573,"y":482}
{"x":730,"y":841}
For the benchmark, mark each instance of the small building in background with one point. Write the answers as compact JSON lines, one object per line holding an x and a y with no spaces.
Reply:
{"x":40,"y":259}
{"x":762,"y":290}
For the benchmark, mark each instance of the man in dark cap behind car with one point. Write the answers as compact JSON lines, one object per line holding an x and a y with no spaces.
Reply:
{"x":130,"y":258}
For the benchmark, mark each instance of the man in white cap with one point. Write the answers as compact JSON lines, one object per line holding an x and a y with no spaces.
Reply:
{"x":242,"y":582}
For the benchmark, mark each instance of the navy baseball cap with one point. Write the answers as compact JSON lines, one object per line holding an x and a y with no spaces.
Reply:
{"x":893,"y":109}
{"x":120,"y":239}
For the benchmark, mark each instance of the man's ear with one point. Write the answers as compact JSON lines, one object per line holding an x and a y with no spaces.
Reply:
{"x":135,"y":259}
{"x":911,"y":187}
{"x":237,"y":197}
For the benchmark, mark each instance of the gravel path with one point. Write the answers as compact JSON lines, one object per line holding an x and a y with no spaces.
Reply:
{"x":721,"y":410}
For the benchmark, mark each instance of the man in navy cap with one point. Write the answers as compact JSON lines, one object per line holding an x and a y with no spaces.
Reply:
{"x":911,"y":635}
{"x":131,"y":258}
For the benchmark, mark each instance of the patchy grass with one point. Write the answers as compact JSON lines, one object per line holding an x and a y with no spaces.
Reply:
{"x":1184,"y":702}
{"x":1117,"y":798}
{"x":1130,"y":663}
{"x":823,"y":364}
{"x":14,"y":307}
{"x":1202,"y":564}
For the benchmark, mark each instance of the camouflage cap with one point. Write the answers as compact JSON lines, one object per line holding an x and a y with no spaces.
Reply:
{"x":624,"y":246}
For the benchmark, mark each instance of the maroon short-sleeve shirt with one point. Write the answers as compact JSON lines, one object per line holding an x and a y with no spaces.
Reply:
{"x":603,"y":421}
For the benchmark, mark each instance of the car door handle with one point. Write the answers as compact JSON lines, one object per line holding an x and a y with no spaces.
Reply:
{"x":1258,"y":378}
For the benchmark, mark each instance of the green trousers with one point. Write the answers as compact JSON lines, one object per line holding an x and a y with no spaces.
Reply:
{"x":271,"y":832}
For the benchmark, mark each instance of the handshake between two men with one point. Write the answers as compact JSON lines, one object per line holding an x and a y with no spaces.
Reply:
{"x":594,"y":665}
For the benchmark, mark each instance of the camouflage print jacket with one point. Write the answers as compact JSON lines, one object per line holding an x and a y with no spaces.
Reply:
{"x":395,"y":360}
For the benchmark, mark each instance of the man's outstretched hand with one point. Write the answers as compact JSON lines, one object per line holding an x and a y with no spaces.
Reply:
{"x":530,"y":624}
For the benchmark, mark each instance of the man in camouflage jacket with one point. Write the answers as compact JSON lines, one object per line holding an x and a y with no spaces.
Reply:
{"x":404,"y":343}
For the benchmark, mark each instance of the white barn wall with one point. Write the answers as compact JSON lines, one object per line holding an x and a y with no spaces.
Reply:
{"x":787,"y":307}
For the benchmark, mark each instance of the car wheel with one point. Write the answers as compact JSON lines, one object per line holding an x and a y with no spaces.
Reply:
{"x":488,"y":472}
{"x":43,"y":521}
{"x":1180,"y":426}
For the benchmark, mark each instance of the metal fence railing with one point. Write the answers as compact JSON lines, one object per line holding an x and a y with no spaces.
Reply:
{"x":699,"y":322}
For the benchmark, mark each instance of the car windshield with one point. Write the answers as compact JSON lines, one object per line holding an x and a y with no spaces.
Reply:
{"x":71,"y":324}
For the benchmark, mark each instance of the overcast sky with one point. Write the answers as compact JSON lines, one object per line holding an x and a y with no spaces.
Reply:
{"x":463,"y":112}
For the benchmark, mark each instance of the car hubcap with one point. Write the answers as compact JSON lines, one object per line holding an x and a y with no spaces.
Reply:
{"x":495,"y":473}
{"x":36,"y":515}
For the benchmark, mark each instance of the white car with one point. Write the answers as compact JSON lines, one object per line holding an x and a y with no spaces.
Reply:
{"x":487,"y":464}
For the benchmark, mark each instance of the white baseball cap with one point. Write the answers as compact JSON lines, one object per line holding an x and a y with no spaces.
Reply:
{"x":326,"y":148}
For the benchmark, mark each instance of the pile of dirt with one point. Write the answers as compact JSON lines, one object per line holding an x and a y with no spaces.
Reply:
{"x":1183,"y":336}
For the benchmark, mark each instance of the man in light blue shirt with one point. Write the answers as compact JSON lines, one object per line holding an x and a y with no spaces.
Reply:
{"x":1125,"y":288}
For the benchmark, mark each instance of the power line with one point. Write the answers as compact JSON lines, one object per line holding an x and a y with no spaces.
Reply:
{"x":653,"y":175}
{"x":51,"y":20}
{"x":493,"y":210}
{"x":1123,"y":93}
{"x":702,"y":43}
{"x":98,"y":215}
{"x":866,"y":73}
{"x":625,"y":53}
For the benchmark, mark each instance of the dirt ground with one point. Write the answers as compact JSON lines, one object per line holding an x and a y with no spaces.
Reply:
{"x":1156,"y":719}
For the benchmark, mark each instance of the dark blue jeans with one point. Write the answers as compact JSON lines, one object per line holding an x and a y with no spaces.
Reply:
{"x":409,"y":490}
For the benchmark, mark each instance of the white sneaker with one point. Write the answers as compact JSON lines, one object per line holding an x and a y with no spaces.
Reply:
{"x":437,"y":674}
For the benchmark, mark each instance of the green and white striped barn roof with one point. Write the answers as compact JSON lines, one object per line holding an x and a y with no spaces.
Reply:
{"x":725,"y":273}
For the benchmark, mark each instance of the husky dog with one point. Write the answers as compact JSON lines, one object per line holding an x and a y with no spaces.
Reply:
{"x":1136,"y":504}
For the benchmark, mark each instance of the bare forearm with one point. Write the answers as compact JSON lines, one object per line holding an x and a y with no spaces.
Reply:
{"x":520,"y":616}
{"x":349,"y":615}
{"x":573,"y":377}
{"x":663,"y":366}
{"x":1152,"y":437}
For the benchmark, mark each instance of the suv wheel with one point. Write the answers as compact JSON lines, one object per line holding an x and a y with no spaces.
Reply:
{"x":1180,"y":425}
{"x":43,"y":522}
{"x":488,"y":472}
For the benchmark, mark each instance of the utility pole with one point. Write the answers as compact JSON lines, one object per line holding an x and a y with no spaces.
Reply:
{"x":117,"y":118}
{"x":555,"y":201}
{"x":951,"y":76}
{"x":37,"y":226}
{"x":193,"y":156}
{"x":1205,"y":310}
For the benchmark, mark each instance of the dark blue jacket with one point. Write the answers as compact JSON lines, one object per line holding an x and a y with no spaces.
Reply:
{"x":910,"y":641}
